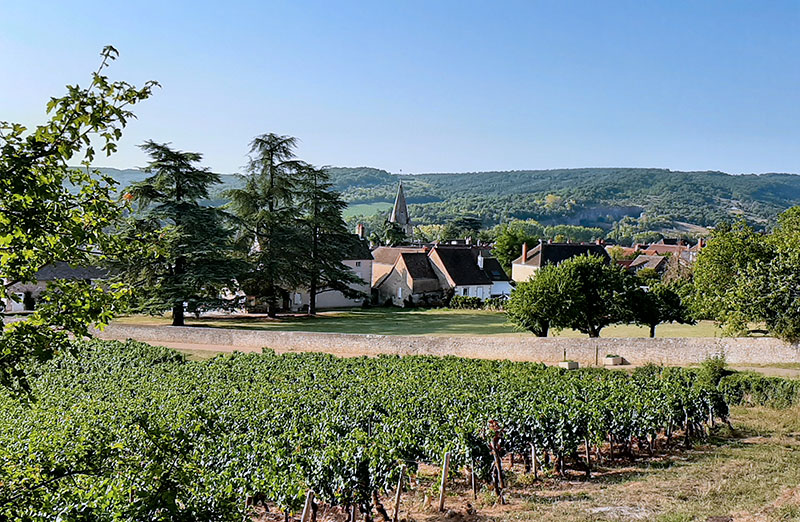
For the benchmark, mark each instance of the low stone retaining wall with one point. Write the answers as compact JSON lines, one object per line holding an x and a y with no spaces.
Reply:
{"x":668,"y":351}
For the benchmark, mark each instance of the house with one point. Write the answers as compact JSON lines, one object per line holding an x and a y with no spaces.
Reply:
{"x":654,"y":262}
{"x":359,"y":259}
{"x":29,"y":293}
{"x":385,"y":257}
{"x":429,"y":274}
{"x":550,"y":253}
{"x":411,"y":280}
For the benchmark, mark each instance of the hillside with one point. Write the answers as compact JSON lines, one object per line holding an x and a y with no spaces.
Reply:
{"x":645,"y":199}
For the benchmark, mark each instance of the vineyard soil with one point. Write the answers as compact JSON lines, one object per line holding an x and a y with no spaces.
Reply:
{"x":750,"y":475}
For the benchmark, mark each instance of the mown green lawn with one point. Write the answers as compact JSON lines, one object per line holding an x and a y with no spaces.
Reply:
{"x":395,"y":321}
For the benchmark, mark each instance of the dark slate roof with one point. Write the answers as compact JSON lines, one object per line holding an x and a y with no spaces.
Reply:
{"x":62,"y":270}
{"x":418,"y":265}
{"x":461,"y":266}
{"x":357,"y":248}
{"x":494,"y":270}
{"x":554,"y":253}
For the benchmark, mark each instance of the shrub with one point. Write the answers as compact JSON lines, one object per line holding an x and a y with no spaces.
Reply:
{"x":751,"y":389}
{"x":712,"y":370}
{"x":495,"y":303}
{"x":465,"y":302}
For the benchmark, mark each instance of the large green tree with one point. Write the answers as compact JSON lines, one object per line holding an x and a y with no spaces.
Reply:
{"x":194,"y":264}
{"x":539,"y":303}
{"x":327,"y":240}
{"x":733,"y":256}
{"x":508,"y":243}
{"x":267,"y":217}
{"x":581,"y":293}
{"x":660,"y":303}
{"x":51,"y":212}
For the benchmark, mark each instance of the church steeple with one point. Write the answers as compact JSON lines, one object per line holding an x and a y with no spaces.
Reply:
{"x":400,"y":212}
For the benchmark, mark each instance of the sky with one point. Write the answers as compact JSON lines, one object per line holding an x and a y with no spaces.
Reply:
{"x":432,"y":85}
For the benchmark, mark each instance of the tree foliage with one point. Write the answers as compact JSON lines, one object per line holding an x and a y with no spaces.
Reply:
{"x":52,"y":213}
{"x":192,"y":263}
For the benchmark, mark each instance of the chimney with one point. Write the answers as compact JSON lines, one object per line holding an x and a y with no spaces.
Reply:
{"x":360,"y":230}
{"x":524,"y":252}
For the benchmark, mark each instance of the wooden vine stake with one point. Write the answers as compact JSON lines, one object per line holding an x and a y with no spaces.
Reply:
{"x":445,"y":470}
{"x":534,"y":462}
{"x":396,"y":514}
{"x":307,"y":508}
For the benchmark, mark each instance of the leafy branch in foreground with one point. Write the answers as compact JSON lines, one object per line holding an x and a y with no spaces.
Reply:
{"x":52,"y":213}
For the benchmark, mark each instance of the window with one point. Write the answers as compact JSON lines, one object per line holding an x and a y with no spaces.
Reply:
{"x":400,"y":293}
{"x":465,"y":291}
{"x":480,"y":292}
{"x":358,"y":263}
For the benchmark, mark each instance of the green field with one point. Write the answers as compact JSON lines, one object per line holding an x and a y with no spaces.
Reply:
{"x":366,"y":209}
{"x":396,"y":321}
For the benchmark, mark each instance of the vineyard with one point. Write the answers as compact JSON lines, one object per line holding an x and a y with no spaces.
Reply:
{"x":127,"y":431}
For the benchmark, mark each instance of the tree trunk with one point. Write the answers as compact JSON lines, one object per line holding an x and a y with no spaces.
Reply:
{"x":312,"y":297}
{"x":177,"y":314}
{"x":652,"y":330}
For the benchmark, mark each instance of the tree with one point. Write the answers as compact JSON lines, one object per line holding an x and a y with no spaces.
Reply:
{"x":732,"y":255}
{"x":50,"y":212}
{"x":582,"y":293}
{"x":265,"y":208}
{"x":508,"y":244}
{"x":194,"y":264}
{"x":540,"y":302}
{"x":327,"y":239}
{"x":600,"y":294}
{"x":390,"y":234}
{"x":660,"y":303}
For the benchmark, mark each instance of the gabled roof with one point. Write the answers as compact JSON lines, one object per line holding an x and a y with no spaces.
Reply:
{"x":554,"y":253}
{"x":494,"y":270}
{"x":418,"y":265}
{"x":648,"y":261}
{"x":62,"y":270}
{"x":388,"y":255}
{"x":357,"y":248}
{"x":461,"y":266}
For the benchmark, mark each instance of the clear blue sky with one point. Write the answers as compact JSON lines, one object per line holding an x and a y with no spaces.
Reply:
{"x":433,"y":86}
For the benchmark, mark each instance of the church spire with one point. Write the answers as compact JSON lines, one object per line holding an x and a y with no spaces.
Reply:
{"x":400,"y":212}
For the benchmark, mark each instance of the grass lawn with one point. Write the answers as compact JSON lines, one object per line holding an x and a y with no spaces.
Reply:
{"x":397,"y":321}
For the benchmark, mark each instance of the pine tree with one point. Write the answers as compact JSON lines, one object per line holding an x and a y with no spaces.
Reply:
{"x":327,"y":240}
{"x":192,"y":262}
{"x":265,"y":208}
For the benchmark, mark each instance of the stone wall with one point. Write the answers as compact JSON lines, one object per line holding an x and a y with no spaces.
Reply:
{"x":762,"y":350}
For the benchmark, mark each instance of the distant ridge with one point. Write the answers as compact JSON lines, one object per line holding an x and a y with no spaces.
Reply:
{"x":651,"y":198}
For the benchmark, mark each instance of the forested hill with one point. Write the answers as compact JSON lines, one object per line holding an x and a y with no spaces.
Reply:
{"x":647,"y":199}
{"x":590,"y":197}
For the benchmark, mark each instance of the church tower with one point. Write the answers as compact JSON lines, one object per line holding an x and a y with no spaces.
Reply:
{"x":400,"y":212}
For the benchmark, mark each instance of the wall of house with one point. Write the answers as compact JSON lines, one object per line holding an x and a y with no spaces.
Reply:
{"x":588,"y":352}
{"x":333,"y":299}
{"x":379,"y":270}
{"x":501,"y":288}
{"x":521,"y":273}
{"x":20,"y":289}
{"x":482,"y":291}
{"x":389,"y":286}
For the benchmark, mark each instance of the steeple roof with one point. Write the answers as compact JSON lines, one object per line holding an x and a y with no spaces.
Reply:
{"x":400,"y":210}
